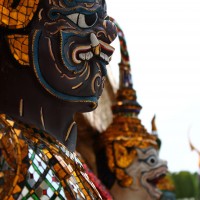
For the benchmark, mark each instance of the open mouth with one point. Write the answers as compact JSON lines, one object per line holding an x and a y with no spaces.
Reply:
{"x":106,"y":51}
{"x":85,"y":53}
{"x":82,"y":53}
{"x":155,"y":180}
{"x":150,"y":180}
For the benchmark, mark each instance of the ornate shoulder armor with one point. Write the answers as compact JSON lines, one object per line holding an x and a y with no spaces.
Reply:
{"x":33,"y":165}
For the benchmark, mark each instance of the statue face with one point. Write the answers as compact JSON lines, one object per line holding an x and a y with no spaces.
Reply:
{"x":148,"y":169}
{"x":70,"y":45}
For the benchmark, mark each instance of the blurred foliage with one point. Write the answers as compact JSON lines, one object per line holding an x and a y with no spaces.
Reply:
{"x":186,"y":184}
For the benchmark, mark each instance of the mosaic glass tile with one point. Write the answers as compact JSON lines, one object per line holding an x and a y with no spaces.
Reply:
{"x":19,"y":48}
{"x":18,"y":17}
{"x":47,"y":170}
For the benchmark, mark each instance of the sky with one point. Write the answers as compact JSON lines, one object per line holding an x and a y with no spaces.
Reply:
{"x":163,"y":38}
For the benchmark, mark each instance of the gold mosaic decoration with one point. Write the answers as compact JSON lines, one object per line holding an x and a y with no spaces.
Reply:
{"x":35,"y":166}
{"x":19,"y":48}
{"x":121,"y":139}
{"x":18,"y":17}
{"x":166,"y":184}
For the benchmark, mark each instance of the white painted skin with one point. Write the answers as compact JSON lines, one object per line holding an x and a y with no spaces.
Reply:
{"x":141,"y":169}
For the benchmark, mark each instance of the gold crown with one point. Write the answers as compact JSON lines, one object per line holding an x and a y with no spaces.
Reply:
{"x":120,"y":141}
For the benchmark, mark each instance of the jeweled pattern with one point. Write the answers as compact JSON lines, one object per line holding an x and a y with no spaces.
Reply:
{"x":19,"y":48}
{"x":35,"y":166}
{"x":17,"y":14}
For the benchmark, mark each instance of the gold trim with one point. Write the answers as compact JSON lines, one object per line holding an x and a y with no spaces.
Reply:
{"x":101,"y":32}
{"x":97,"y":50}
{"x":42,"y":117}
{"x":105,"y":24}
{"x":40,"y":14}
{"x":84,"y":71}
{"x":89,"y":5}
{"x":71,"y":43}
{"x":50,"y":49}
{"x":21,"y":107}
{"x":69,"y":130}
{"x":58,"y":68}
{"x":109,"y":38}
{"x":98,"y":75}
{"x":77,"y":86}
{"x":88,"y":67}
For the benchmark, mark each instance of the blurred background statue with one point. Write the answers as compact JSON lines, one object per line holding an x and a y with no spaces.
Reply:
{"x":127,"y":159}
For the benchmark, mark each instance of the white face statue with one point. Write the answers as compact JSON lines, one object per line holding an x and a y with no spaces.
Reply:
{"x":146,"y":170}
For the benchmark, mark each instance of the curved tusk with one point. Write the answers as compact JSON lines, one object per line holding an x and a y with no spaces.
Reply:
{"x":96,"y":48}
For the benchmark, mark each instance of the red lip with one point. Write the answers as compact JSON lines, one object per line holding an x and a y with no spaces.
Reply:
{"x":106,"y":48}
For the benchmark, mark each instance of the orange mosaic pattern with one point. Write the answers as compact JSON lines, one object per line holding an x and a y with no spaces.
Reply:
{"x":33,"y":165}
{"x":19,"y":48}
{"x":19,"y":16}
{"x":16,"y":151}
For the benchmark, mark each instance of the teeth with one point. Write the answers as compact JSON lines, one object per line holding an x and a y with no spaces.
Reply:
{"x":86,"y":56}
{"x":89,"y":55}
{"x":82,"y":56}
{"x":104,"y":56}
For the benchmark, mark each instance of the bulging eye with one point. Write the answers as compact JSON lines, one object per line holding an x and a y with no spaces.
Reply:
{"x":152,"y":160}
{"x":86,"y":21}
{"x":73,"y":17}
{"x":82,"y":20}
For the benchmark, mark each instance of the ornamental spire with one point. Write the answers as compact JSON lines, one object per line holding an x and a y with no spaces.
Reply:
{"x":153,"y":126}
{"x":126,"y":96}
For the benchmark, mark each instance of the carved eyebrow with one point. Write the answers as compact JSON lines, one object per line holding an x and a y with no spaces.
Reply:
{"x":145,"y":153}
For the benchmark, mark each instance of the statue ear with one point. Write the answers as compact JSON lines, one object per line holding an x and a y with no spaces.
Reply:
{"x":123,"y":157}
{"x":16,"y":14}
{"x":120,"y":156}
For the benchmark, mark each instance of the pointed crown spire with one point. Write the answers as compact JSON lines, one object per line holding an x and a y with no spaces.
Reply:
{"x":126,"y":96}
